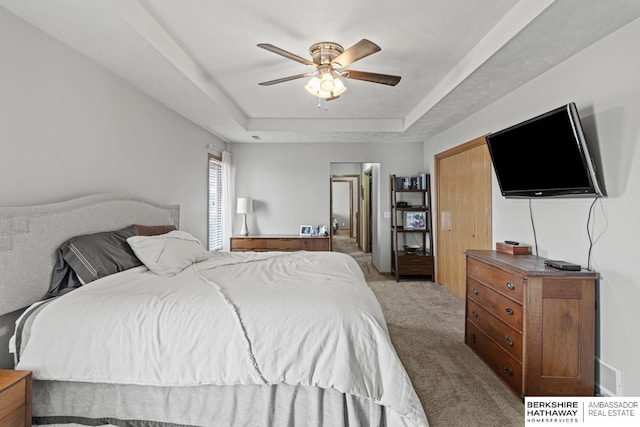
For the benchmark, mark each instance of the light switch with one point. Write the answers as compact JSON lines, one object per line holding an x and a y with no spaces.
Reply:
{"x":386,"y":215}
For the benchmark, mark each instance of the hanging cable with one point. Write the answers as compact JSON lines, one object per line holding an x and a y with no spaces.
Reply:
{"x":589,"y":234}
{"x":533,"y":227}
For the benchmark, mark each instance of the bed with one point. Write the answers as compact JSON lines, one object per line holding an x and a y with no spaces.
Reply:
{"x":184,"y":337}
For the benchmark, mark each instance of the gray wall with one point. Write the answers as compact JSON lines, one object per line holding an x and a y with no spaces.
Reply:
{"x":603,"y":82}
{"x":290,"y":184}
{"x":69,"y":127}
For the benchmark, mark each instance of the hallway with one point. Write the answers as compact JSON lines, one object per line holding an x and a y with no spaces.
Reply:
{"x":347,"y":245}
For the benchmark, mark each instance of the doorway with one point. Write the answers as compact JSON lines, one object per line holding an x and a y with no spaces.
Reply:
{"x":361,"y":179}
{"x":463,"y":216}
{"x":345,"y":215}
{"x":345,"y":208}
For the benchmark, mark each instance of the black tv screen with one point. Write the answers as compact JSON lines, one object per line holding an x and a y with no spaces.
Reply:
{"x":545,"y":156}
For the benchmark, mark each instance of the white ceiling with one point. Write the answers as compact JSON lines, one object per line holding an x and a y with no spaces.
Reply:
{"x":199,"y":57}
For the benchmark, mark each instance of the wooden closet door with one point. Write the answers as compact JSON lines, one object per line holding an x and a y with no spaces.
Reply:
{"x":463,"y":216}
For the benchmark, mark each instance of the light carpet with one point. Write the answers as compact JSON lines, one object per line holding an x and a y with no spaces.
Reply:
{"x":426,"y":324}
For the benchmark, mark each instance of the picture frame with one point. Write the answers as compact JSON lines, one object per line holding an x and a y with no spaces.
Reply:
{"x":415,"y":220}
{"x":305,"y":230}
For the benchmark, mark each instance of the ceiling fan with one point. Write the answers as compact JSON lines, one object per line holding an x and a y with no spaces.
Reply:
{"x":330,"y":61}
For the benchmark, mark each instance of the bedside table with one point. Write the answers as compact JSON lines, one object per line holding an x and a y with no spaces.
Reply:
{"x":15,"y":398}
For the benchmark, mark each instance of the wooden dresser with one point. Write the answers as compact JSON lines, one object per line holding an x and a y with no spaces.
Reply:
{"x":15,"y":398}
{"x":532,"y":324}
{"x":279,"y":243}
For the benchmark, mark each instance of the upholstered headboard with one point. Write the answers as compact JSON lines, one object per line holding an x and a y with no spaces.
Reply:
{"x":30,"y":236}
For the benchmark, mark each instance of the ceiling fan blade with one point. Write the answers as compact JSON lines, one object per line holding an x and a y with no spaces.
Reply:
{"x":384,"y":79}
{"x":285,"y":79}
{"x":274,"y":49}
{"x":358,"y":51}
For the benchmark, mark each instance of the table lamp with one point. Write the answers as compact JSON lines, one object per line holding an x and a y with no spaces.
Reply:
{"x":244,"y":207}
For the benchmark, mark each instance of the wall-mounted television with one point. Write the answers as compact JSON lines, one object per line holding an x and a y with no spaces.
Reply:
{"x":545,"y":156}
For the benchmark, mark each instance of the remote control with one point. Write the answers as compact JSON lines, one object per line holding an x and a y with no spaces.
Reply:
{"x":511,"y":242}
{"x":562,"y":265}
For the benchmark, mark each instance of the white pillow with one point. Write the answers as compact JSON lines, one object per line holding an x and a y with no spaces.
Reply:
{"x":168,"y":254}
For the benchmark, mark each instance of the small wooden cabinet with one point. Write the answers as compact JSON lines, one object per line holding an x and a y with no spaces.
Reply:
{"x":279,"y":243}
{"x":15,"y":398}
{"x":411,"y":225}
{"x":532,"y":324}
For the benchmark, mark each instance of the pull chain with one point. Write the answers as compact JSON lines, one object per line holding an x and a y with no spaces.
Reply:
{"x":326,"y":107}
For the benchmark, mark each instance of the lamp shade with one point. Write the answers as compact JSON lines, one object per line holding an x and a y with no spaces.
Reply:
{"x":244,"y":205}
{"x":326,"y":87}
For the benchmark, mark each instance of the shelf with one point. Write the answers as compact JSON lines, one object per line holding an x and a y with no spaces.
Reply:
{"x":417,"y":200}
{"x":412,"y":209}
{"x":401,"y":229}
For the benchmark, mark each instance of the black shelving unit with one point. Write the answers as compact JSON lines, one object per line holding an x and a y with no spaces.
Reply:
{"x":411,"y":225}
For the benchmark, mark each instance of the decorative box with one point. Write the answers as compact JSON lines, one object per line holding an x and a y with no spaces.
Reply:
{"x":512,"y":249}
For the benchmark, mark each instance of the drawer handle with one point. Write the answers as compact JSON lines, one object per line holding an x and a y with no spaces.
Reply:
{"x":509,"y":340}
{"x":510,"y":286}
{"x":473,"y":338}
{"x":415,"y":269}
{"x":475,"y":291}
{"x":508,"y":370}
{"x":508,"y":311}
{"x":475,"y":313}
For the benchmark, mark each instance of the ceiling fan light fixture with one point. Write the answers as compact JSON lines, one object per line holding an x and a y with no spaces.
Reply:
{"x":326,"y":87}
{"x":326,"y":82}
{"x":313,"y":86}
{"x":329,"y":60}
{"x":339,"y":88}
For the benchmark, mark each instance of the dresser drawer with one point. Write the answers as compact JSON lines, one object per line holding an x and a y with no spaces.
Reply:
{"x":507,"y":368}
{"x":498,"y":305}
{"x":415,"y":260}
{"x":17,"y":418}
{"x":247,"y":244}
{"x":499,"y":280}
{"x":15,"y":398}
{"x":284,"y":244}
{"x":294,"y":243}
{"x":315,"y":244}
{"x":418,"y":265}
{"x":12,"y":398}
{"x":506,"y":337}
{"x":416,"y":270}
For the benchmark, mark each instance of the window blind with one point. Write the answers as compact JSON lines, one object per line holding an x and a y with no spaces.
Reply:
{"x":215,"y":203}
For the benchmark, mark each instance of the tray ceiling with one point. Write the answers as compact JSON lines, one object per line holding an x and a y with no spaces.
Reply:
{"x":200,"y":58}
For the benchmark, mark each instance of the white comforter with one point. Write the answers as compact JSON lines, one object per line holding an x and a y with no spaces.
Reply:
{"x":303,"y":318}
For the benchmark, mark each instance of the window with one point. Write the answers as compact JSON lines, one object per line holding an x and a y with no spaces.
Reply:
{"x":215,"y":203}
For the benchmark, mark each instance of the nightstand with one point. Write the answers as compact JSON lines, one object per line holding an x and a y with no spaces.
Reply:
{"x":15,"y":398}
